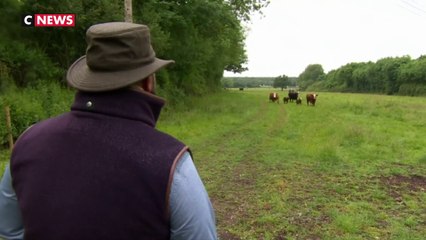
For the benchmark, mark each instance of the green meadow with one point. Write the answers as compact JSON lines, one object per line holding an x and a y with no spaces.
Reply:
{"x":352,"y":167}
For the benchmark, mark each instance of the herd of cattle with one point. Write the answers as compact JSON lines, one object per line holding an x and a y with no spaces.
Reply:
{"x":293,"y":96}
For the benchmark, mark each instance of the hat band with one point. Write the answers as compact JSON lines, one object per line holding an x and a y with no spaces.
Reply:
{"x":109,"y":63}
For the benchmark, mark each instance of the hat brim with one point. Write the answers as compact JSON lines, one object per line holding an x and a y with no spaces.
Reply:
{"x":81,"y":77}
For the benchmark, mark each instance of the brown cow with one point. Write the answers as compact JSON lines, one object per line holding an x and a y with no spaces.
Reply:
{"x":273,"y":97}
{"x":311,"y":98}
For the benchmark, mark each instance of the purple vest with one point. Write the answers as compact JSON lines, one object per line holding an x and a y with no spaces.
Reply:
{"x":101,"y":171}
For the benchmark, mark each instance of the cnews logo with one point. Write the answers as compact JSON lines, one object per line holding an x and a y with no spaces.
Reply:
{"x":48,"y":20}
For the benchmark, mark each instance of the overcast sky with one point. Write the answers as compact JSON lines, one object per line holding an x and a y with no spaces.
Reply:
{"x":295,"y":33}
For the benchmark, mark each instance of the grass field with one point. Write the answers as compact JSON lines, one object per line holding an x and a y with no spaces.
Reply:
{"x":352,"y":167}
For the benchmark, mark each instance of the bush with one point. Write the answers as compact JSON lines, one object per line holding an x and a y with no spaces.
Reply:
{"x":32,"y":105}
{"x":6,"y":81}
{"x":26,"y":65}
{"x":412,"y":89}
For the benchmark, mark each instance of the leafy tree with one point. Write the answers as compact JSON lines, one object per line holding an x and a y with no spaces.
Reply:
{"x":412,"y":77}
{"x":312,"y":73}
{"x":243,"y":8}
{"x":388,"y":72}
{"x":281,"y":82}
{"x":204,"y":37}
{"x":361,"y":75}
{"x":227,"y":83}
{"x":65,"y":45}
{"x":9,"y":16}
{"x":26,"y":65}
{"x":9,"y":20}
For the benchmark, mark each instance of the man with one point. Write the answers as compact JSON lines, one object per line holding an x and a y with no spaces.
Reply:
{"x":102,"y":171}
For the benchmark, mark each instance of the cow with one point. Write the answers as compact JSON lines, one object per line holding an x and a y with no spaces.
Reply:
{"x":311,"y":98}
{"x":293,"y":95}
{"x":273,"y":97}
{"x":241,"y":89}
{"x":285,"y":99}
{"x":298,"y":100}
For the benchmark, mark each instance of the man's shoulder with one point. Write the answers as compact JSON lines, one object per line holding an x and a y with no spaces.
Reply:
{"x":168,"y":137}
{"x":43,"y":125}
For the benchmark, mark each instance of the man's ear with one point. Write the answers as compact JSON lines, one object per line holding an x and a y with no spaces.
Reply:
{"x":148,"y":84}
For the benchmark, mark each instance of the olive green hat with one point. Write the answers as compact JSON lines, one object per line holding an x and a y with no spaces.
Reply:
{"x":118,"y":54}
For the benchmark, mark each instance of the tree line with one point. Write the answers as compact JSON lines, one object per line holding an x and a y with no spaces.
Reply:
{"x":204,"y":37}
{"x":391,"y":75}
{"x":255,"y":82}
{"x":247,"y":82}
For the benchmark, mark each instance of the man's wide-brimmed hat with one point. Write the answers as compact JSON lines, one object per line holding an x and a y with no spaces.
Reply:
{"x":118,"y":54}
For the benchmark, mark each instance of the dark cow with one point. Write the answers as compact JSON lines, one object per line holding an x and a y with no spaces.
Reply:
{"x":293,"y":95}
{"x":298,"y":100}
{"x":311,"y":98}
{"x":241,"y":89}
{"x":285,"y":99}
{"x":273,"y":97}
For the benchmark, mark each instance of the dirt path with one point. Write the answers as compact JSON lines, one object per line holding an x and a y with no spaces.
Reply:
{"x":236,"y":193}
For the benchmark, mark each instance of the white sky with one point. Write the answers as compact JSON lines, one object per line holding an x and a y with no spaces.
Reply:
{"x":295,"y":33}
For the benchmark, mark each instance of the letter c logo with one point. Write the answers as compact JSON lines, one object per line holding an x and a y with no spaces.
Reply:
{"x":27,"y":20}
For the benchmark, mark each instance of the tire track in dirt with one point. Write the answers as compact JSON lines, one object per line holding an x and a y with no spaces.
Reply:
{"x":238,"y":188}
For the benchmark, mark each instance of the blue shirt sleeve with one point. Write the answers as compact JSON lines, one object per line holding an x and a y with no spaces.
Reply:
{"x":11,"y":226}
{"x":192,"y":214}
